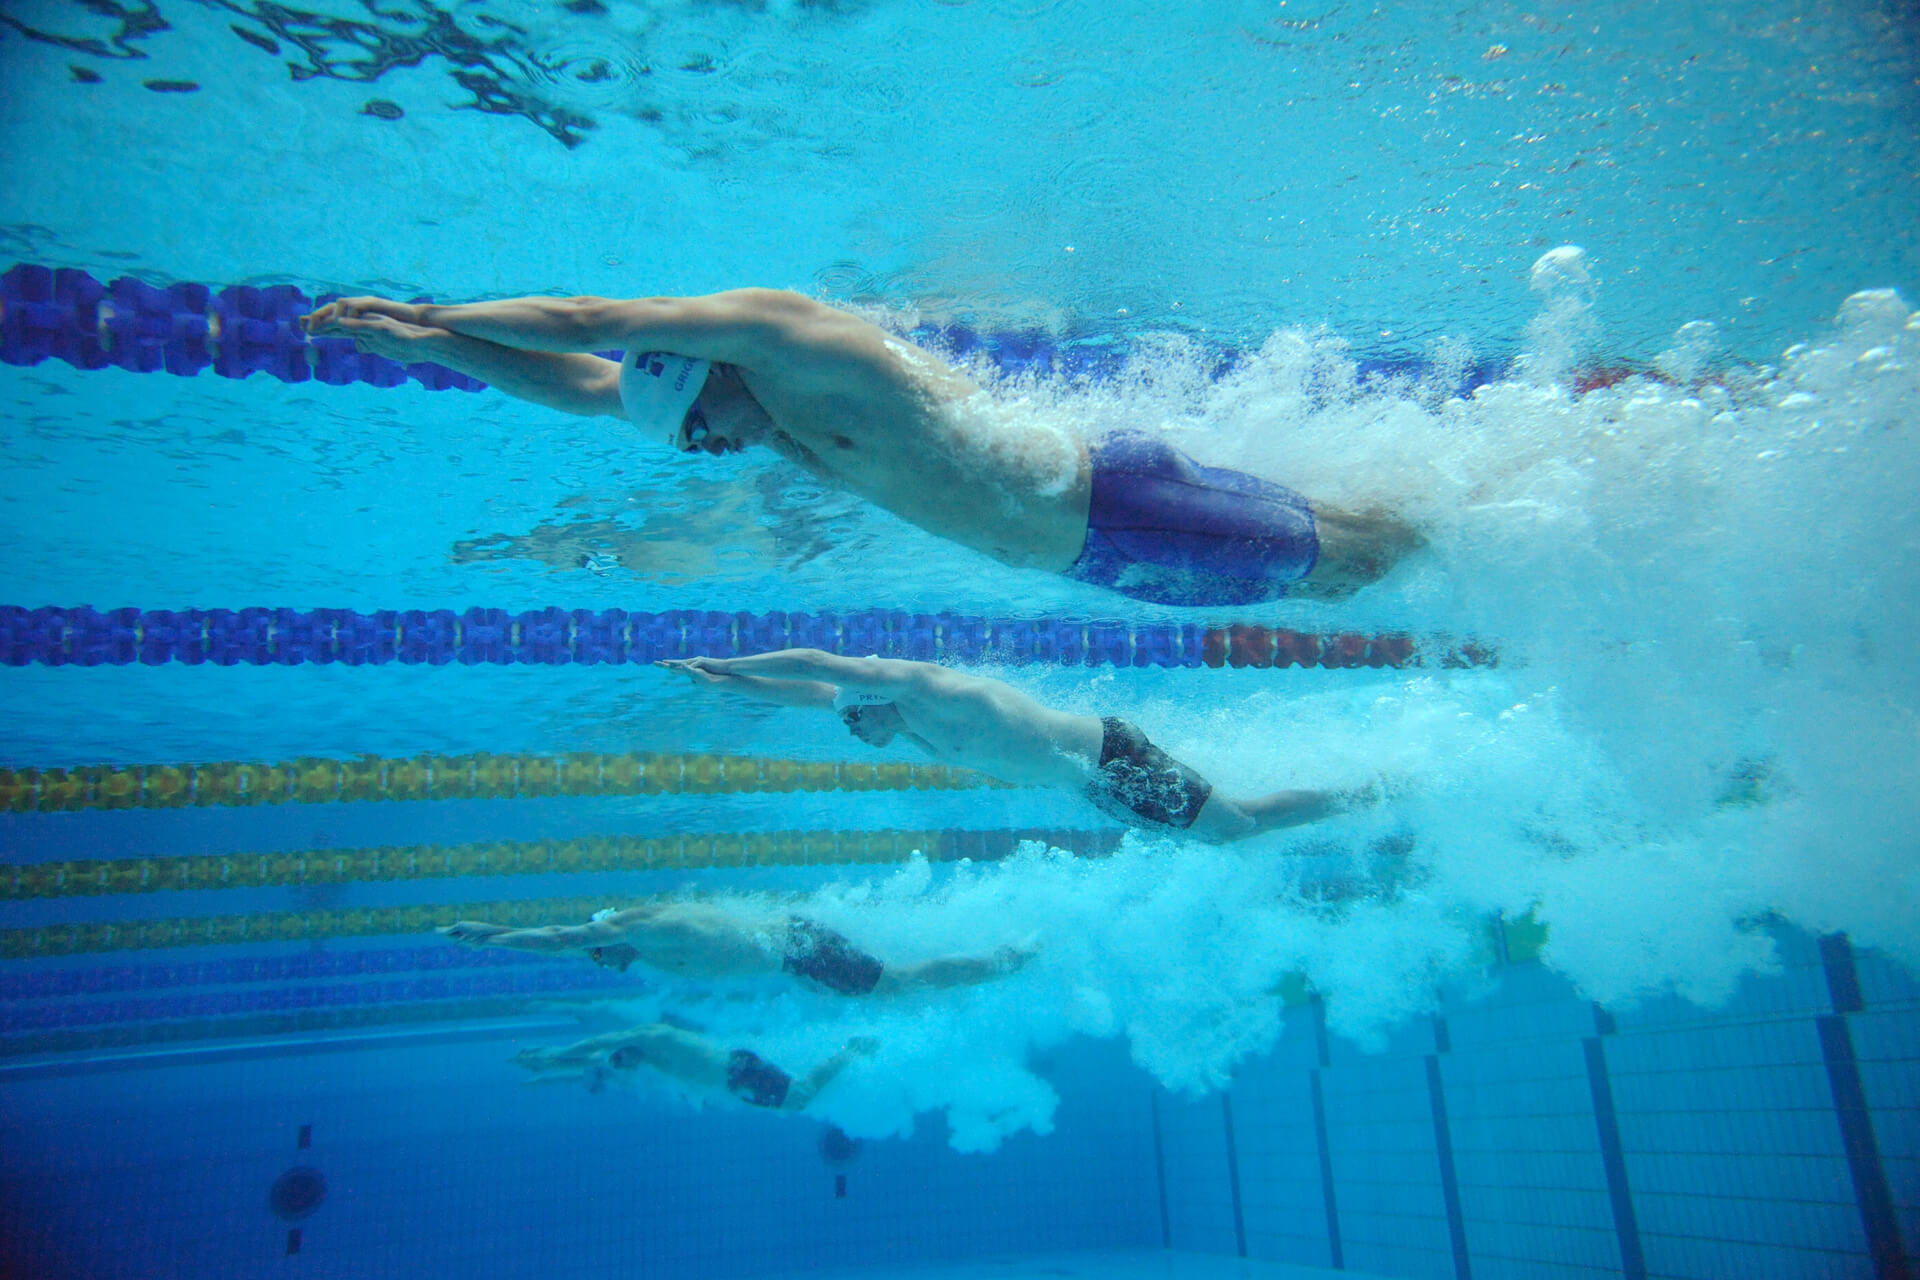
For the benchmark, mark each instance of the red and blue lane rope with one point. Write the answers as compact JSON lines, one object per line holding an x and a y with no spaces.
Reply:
{"x":86,"y":637}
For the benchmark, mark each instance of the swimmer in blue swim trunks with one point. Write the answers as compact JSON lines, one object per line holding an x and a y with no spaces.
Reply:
{"x":693,"y":1059}
{"x":869,"y":412}
{"x":977,"y":723}
{"x":736,"y":937}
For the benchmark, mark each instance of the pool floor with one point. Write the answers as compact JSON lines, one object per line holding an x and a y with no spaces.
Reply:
{"x":1150,"y":1264}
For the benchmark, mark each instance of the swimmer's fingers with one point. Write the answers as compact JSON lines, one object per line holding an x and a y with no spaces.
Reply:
{"x":383,"y":335}
{"x":405,"y":312}
{"x":699,"y":670}
{"x":686,"y":667}
{"x":471,"y":932}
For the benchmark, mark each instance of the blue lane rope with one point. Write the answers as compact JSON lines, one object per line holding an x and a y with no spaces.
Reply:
{"x":64,"y":313}
{"x":87,"y":637}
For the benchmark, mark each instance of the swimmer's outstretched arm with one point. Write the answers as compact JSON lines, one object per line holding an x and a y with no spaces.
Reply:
{"x":811,"y":694}
{"x":550,"y":937}
{"x":868,"y":675}
{"x":579,"y":384}
{"x":733,"y":327}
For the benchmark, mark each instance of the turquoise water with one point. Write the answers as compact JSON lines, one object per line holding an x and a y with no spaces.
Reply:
{"x":1681,"y":512}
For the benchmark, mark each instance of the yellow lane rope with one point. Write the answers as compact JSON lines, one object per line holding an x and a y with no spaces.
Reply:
{"x":90,"y":877}
{"x":480,"y":776}
{"x":283,"y":926}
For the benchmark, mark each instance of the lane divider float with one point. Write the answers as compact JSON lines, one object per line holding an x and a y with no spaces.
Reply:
{"x":479,"y":776}
{"x":88,"y":877}
{"x":82,"y":636}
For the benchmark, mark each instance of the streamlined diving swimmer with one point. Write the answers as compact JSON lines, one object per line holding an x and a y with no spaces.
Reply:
{"x":873,"y":414}
{"x":991,"y":726}
{"x":733,"y":936}
{"x":693,"y":1059}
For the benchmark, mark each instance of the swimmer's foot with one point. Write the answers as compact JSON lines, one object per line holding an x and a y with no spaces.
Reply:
{"x":1012,"y":959}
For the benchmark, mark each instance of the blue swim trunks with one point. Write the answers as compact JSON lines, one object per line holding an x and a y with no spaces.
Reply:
{"x":1161,"y":527}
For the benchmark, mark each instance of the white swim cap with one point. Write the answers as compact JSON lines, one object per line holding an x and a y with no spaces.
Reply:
{"x":657,"y":389}
{"x":845,"y":698}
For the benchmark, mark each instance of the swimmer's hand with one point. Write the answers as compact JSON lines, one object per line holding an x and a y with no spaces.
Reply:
{"x":380,"y":335}
{"x":473,"y":933}
{"x":342,"y":309}
{"x":699,"y":670}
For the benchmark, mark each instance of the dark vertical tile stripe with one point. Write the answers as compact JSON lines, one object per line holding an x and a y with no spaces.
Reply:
{"x":1626,"y":1227}
{"x":1233,"y":1177}
{"x":1326,"y":1174}
{"x":1449,"y":1181}
{"x":1843,"y":979}
{"x":1870,"y":1187}
{"x":1160,"y":1170}
{"x":1442,"y":1038}
{"x":1320,"y":1032}
{"x":1603,"y":1023}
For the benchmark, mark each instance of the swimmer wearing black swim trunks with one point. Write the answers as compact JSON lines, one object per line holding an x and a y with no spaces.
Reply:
{"x":693,"y":1059}
{"x":990,"y":726}
{"x":723,"y":938}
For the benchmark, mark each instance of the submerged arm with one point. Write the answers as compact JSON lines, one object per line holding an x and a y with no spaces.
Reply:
{"x":579,"y":384}
{"x":733,"y":327}
{"x":812,"y":694}
{"x":582,"y":384}
{"x":868,"y":675}
{"x":549,"y":937}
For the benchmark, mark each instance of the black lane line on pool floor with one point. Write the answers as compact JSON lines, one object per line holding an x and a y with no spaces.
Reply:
{"x":1626,"y":1226}
{"x":1233,"y":1175}
{"x":1449,"y":1180}
{"x":1160,"y":1169}
{"x":1871,"y":1190}
{"x":1334,"y":1250}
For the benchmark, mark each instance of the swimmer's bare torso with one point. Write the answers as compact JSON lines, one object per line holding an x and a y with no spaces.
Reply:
{"x":877,"y":416}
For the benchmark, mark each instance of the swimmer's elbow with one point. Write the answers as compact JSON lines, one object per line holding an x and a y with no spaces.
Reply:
{"x":594,"y":321}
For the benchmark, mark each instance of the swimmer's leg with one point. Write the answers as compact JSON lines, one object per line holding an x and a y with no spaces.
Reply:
{"x":954,"y":971}
{"x":802,"y":1091}
{"x":1224,"y":819}
{"x":1356,"y":549}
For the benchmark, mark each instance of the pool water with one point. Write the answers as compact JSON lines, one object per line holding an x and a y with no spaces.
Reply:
{"x":1616,"y":307}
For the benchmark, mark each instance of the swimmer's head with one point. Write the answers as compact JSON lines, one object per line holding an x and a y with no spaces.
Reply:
{"x":625,"y":1058}
{"x":725,"y":418}
{"x":874,"y":723}
{"x":613,"y":955}
{"x":659,"y":391}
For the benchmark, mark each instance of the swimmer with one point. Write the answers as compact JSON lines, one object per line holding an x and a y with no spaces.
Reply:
{"x":994,"y":728}
{"x":692,"y":1059}
{"x":873,"y":414}
{"x":735,"y":938}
